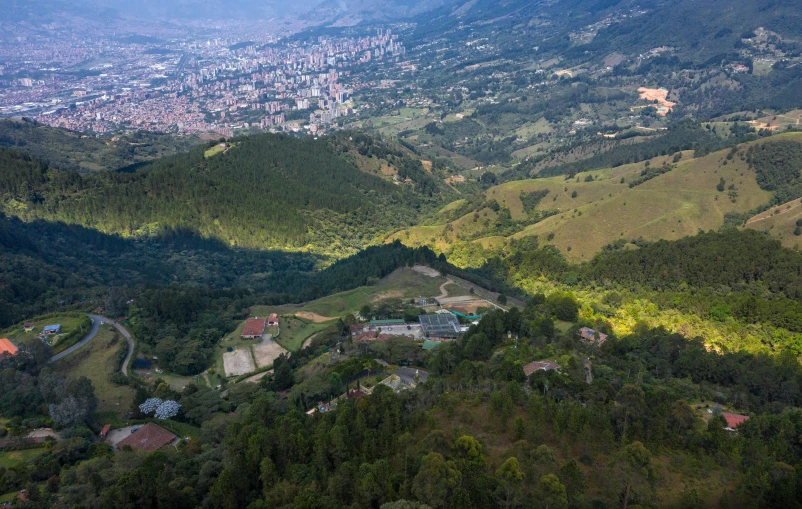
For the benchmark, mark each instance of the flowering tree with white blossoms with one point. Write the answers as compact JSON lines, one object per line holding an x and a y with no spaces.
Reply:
{"x":150,"y":406}
{"x":167,"y":410}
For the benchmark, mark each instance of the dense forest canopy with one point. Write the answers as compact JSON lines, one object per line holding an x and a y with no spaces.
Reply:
{"x":257,"y":194}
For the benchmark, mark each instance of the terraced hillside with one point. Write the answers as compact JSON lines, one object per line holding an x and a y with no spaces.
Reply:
{"x":668,"y":197}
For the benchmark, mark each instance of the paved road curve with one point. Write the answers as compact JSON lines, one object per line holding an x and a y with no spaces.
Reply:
{"x":96,"y":321}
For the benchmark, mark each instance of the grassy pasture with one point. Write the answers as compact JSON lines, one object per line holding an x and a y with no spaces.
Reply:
{"x":10,"y":459}
{"x":97,"y":361}
{"x":670,"y":206}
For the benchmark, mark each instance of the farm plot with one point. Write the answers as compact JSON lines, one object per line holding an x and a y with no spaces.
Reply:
{"x":238,"y":362}
{"x":267,"y":351}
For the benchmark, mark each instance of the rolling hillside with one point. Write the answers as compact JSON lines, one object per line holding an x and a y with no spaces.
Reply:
{"x":580,"y":215}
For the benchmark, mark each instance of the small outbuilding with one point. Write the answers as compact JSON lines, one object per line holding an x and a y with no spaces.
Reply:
{"x":52,"y":329}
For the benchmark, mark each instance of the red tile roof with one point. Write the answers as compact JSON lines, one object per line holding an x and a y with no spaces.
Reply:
{"x":149,"y":437}
{"x":538,"y":365}
{"x":7,"y":348}
{"x":734,"y":420}
{"x":273,"y":318}
{"x":105,"y":430}
{"x":254,"y":327}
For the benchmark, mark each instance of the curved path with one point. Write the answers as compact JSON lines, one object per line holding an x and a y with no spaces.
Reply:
{"x":96,"y":322}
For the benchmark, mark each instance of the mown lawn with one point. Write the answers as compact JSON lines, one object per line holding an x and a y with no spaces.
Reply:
{"x":11,"y":459}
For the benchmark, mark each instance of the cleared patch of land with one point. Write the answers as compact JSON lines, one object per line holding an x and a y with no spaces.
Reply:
{"x":11,"y":459}
{"x":267,"y":351}
{"x":97,"y":361}
{"x":294,"y":332}
{"x":781,"y":223}
{"x":68,"y":321}
{"x":238,"y":362}
{"x":314,"y":317}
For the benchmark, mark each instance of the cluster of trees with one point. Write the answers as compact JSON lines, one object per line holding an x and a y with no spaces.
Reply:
{"x":29,"y":389}
{"x":683,"y":135}
{"x":745,"y":274}
{"x":776,"y":165}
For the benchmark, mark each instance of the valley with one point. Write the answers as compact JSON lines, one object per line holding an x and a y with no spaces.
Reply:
{"x":395,"y":254}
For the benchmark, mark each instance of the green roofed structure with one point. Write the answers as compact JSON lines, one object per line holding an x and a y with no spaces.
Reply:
{"x":429,"y":344}
{"x":385,"y":323}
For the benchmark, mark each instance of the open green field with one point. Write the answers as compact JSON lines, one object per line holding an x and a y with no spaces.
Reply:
{"x":97,"y":361}
{"x":596,"y":208}
{"x":11,"y":459}
{"x":294,"y":331}
{"x":402,"y":284}
{"x":69,"y":322}
{"x":218,"y":149}
{"x":780,"y":222}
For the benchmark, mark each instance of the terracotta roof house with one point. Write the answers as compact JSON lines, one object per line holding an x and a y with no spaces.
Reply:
{"x":149,"y":438}
{"x":7,"y":348}
{"x":589,"y":336}
{"x":272,"y":320}
{"x":540,"y":366}
{"x":254,"y":328}
{"x":734,"y":420}
{"x":105,"y":431}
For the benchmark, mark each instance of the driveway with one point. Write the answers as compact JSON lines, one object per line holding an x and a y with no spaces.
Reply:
{"x":408,"y":375}
{"x":115,"y":436}
{"x":96,"y":322}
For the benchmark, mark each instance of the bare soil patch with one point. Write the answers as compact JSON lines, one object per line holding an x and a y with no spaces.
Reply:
{"x":313,"y":317}
{"x":426,"y":271}
{"x":267,"y":351}
{"x":238,"y":362}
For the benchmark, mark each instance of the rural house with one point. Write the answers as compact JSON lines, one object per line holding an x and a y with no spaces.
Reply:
{"x":734,"y":420}
{"x":540,"y":366}
{"x":52,"y":329}
{"x":28,"y":326}
{"x":7,"y":348}
{"x":272,"y":320}
{"x":592,"y":336}
{"x":254,"y":328}
{"x":148,"y":438}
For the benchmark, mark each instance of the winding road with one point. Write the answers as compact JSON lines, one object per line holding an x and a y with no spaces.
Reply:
{"x":97,"y":320}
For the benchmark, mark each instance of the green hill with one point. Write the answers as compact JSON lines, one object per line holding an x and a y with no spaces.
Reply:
{"x":668,"y":197}
{"x":264,"y":192}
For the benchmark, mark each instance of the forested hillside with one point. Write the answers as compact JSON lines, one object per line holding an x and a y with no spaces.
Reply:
{"x":262,"y":192}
